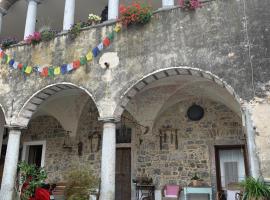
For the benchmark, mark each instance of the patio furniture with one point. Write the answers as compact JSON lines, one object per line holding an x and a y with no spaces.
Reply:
{"x":171,"y":192}
{"x":145,"y":192}
{"x":197,"y":190}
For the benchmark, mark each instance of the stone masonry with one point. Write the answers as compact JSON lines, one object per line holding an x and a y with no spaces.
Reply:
{"x":196,"y":140}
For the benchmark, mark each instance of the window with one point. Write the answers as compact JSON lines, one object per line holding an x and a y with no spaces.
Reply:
{"x":34,"y":153}
{"x":123,"y":135}
{"x":230,"y":165}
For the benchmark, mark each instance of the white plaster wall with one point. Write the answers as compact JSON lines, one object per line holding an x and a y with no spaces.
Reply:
{"x":260,"y":110}
{"x":66,"y":108}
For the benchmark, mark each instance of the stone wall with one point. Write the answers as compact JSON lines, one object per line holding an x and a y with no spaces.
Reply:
{"x":59,"y":160}
{"x":196,"y":140}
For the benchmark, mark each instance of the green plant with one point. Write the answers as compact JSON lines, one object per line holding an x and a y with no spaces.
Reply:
{"x":47,"y":35}
{"x":255,"y":189}
{"x":195,"y":177}
{"x":31,"y":177}
{"x":75,"y":30}
{"x":79,"y":184}
{"x":8,"y":42}
{"x":136,"y":13}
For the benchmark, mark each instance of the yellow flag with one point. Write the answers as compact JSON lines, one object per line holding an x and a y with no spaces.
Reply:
{"x":57,"y":70}
{"x":117,"y":28}
{"x":8,"y":59}
{"x":28,"y":70}
{"x":89,"y":56}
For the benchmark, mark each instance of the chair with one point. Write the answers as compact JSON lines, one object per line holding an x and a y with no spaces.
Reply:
{"x":171,"y":192}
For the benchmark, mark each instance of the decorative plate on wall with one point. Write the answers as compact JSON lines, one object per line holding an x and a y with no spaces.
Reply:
{"x":195,"y":112}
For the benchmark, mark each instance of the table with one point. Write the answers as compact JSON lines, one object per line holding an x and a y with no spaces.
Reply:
{"x":197,"y":190}
{"x":145,"y":191}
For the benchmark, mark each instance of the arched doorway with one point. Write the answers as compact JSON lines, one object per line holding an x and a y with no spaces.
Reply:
{"x":63,"y":131}
{"x":180,"y":145}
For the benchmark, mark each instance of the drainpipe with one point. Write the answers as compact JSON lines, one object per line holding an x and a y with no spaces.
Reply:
{"x":252,"y":151}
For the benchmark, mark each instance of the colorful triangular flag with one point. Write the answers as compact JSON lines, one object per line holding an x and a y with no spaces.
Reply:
{"x":57,"y":70}
{"x":89,"y":56}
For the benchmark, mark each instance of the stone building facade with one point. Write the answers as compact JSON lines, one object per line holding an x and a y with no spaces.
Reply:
{"x":216,"y":56}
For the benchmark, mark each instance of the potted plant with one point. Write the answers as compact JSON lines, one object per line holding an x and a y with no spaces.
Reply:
{"x":80,"y":184}
{"x":136,"y":13}
{"x":255,"y":189}
{"x":31,"y":179}
{"x":196,"y":180}
{"x":8,"y":42}
{"x":94,"y":19}
{"x":47,"y":35}
{"x":34,"y":39}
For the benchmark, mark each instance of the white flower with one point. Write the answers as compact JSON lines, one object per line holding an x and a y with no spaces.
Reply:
{"x":94,"y":17}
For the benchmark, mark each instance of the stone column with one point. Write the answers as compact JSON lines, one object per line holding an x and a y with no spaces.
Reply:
{"x":108,"y":161}
{"x":30,"y":24}
{"x":2,"y":13}
{"x":252,"y":152}
{"x":167,"y":3}
{"x":69,"y":14}
{"x":113,"y":9}
{"x":11,"y":161}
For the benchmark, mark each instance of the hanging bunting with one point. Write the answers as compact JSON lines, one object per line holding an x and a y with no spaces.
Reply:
{"x":57,"y":70}
{"x":46,"y":71}
{"x":11,"y":62}
{"x":83,"y":60}
{"x":89,"y":56}
{"x":15,"y":65}
{"x":106,"y":42}
{"x":69,"y":67}
{"x":95,"y":51}
{"x":100,"y":46}
{"x":28,"y":70}
{"x":63,"y":69}
{"x":76,"y":64}
{"x":51,"y":71}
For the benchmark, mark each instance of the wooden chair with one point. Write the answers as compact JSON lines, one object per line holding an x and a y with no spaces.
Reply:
{"x":59,"y":191}
{"x":171,"y":192}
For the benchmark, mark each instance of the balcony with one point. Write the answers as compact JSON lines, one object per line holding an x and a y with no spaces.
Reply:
{"x":21,"y":18}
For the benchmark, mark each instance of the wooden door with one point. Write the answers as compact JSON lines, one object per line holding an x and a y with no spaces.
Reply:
{"x":123,"y":174}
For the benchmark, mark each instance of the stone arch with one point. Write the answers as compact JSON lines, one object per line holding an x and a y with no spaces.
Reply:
{"x":155,"y":76}
{"x":39,"y":97}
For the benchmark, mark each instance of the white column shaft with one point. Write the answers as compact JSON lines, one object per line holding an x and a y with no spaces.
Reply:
{"x":10,"y":167}
{"x":113,"y":9}
{"x":31,"y":16}
{"x":1,"y":18}
{"x":108,"y":162}
{"x":252,"y":152}
{"x":167,"y":3}
{"x":69,"y":14}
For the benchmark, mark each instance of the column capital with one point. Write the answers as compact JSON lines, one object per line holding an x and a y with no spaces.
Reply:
{"x":14,"y":127}
{"x":37,"y":1}
{"x":109,"y":119}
